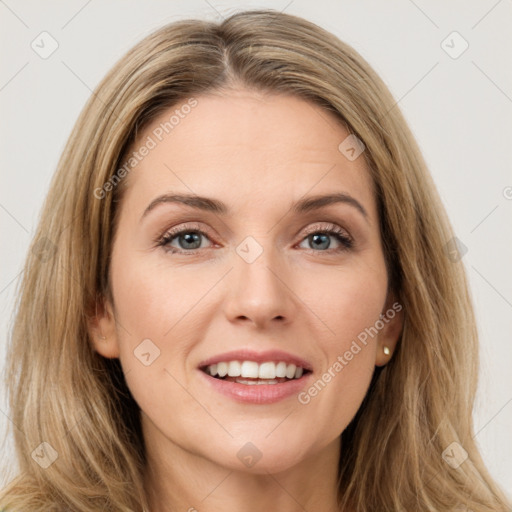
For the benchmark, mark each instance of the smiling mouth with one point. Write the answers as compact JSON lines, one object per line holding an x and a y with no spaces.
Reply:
{"x":252,"y":373}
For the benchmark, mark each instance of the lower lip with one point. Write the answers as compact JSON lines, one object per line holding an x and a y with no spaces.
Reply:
{"x":257,"y":393}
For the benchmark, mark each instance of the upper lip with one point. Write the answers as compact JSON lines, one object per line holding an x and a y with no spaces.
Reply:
{"x":258,"y":357}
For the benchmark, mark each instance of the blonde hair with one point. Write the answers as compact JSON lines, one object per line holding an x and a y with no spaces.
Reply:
{"x":63,"y":393}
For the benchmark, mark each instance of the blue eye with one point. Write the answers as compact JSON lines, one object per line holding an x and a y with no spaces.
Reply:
{"x":321,"y":240}
{"x":189,"y":240}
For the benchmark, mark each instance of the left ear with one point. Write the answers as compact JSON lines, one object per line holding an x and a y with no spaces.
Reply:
{"x":392,"y":319}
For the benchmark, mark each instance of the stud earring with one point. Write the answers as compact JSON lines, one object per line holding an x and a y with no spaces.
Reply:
{"x":101,"y":337}
{"x":386,"y":350}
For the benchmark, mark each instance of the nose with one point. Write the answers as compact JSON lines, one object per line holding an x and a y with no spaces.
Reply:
{"x":259,"y":292}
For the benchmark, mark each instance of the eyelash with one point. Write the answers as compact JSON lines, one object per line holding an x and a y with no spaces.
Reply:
{"x":346,"y":242}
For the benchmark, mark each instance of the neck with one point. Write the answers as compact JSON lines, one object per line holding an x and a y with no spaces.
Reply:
{"x":179,"y":480}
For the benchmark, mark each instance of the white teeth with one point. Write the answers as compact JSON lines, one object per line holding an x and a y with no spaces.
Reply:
{"x":290,"y":371}
{"x":252,"y":370}
{"x":281,"y":369}
{"x":267,"y":371}
{"x":256,"y":382}
{"x":222,"y":369}
{"x":249,"y":369}
{"x":234,"y":369}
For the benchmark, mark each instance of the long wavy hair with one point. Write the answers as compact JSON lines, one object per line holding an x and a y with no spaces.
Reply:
{"x":71,"y":406}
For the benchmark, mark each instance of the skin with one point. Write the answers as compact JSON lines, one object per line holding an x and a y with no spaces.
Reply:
{"x":258,"y":154}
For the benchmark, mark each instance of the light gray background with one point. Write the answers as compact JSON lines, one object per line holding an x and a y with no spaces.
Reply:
{"x":460,"y":110}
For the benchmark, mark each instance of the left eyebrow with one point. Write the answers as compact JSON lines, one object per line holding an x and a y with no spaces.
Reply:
{"x":214,"y":205}
{"x":316,"y":202}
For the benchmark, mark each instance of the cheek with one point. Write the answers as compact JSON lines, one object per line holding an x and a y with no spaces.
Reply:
{"x":349,"y":302}
{"x":347,"y":299}
{"x":151,"y":307}
{"x":152,"y":300}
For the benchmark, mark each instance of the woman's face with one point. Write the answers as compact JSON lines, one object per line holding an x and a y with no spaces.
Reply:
{"x":258,"y":268}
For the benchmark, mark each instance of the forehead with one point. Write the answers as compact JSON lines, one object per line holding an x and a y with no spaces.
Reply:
{"x":248,"y":149}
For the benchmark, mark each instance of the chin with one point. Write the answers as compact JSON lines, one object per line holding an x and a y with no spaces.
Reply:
{"x":261,"y":456}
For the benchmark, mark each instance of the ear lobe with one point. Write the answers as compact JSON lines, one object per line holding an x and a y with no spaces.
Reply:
{"x":102,"y":330}
{"x":392,"y":319}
